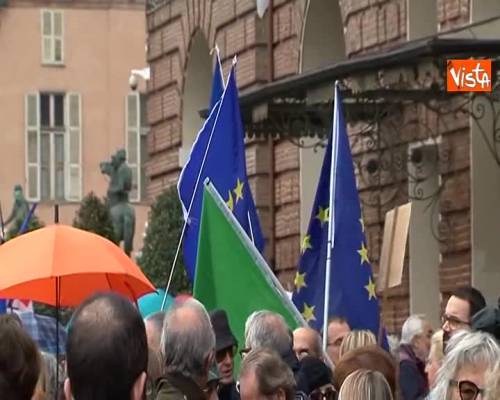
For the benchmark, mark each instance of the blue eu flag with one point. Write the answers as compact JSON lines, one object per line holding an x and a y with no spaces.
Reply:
{"x":217,"y":83}
{"x":219,"y":155}
{"x":352,"y":288}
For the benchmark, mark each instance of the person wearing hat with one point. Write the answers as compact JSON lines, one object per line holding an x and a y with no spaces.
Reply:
{"x":488,"y":320}
{"x":319,"y":378}
{"x":225,"y":350}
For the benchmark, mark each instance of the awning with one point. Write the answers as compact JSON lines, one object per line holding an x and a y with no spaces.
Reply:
{"x":412,"y":72}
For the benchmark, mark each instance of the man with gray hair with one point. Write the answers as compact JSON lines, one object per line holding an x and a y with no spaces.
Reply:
{"x":265,"y":375}
{"x":415,"y":345}
{"x":187,"y":346}
{"x":266,"y":329}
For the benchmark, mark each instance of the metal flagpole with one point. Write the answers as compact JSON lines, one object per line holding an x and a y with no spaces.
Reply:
{"x":331,"y":226}
{"x":198,"y":178}
{"x":250,"y":226}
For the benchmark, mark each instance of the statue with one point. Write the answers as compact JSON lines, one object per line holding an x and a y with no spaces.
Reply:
{"x":20,"y":209}
{"x":120,"y":185}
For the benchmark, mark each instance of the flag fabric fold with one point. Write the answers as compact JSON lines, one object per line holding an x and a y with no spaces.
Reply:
{"x":352,"y":293}
{"x":219,"y":155}
{"x":230,"y":272}
{"x":217,"y":82}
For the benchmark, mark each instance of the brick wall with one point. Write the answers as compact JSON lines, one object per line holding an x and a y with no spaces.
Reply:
{"x":236,"y":28}
{"x":370,"y":26}
{"x":452,"y":13}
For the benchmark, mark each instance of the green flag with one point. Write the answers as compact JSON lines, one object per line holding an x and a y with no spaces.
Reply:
{"x":230,"y":272}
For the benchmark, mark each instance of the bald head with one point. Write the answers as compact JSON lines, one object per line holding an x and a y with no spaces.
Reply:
{"x":306,"y":342}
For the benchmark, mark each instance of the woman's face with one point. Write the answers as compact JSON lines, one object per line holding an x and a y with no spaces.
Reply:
{"x":431,"y":369}
{"x":475,"y":374}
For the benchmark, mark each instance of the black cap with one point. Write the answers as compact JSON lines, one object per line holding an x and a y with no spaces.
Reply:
{"x":316,"y":372}
{"x":487,"y":320}
{"x":224,"y":338}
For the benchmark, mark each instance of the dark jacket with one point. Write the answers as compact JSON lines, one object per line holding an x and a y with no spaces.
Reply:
{"x":228,"y":392}
{"x":302,"y":385}
{"x":412,"y":377}
{"x":178,"y":387}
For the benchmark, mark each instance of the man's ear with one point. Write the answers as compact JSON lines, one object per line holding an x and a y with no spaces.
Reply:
{"x":67,"y":389}
{"x":280,"y":394}
{"x":138,"y":388}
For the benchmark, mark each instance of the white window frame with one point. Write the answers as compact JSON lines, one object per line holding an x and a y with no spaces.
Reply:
{"x":70,"y":193}
{"x":52,"y":134}
{"x":52,"y":37}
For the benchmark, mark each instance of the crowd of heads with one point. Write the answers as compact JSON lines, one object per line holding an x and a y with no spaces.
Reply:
{"x":188,"y":353}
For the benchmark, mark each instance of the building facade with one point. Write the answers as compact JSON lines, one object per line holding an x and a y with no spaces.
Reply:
{"x":419,"y":145}
{"x":66,"y":102}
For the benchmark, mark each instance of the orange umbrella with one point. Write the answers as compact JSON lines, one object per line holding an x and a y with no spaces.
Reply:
{"x":61,"y":265}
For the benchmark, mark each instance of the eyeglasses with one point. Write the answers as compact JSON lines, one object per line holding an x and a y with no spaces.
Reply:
{"x":244,"y":352}
{"x":454,"y":322}
{"x":328,"y":393}
{"x":221,"y":354}
{"x":468,"y":390}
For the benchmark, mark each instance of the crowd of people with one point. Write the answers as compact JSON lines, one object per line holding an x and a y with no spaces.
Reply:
{"x":188,"y":353}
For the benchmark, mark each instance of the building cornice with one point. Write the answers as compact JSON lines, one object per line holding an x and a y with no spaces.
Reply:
{"x":79,"y":4}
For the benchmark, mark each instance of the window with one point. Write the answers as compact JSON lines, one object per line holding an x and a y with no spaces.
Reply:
{"x":52,"y":37}
{"x":53,"y":146}
{"x":136,"y":143}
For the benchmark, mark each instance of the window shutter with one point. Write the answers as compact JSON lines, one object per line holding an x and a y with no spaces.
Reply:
{"x":133,"y":143}
{"x":58,"y":36}
{"x":46,"y":21}
{"x":52,"y":24}
{"x":32,"y":117}
{"x":73,"y":184}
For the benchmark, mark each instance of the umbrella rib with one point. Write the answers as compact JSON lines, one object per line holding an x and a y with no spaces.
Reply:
{"x":109,"y":282}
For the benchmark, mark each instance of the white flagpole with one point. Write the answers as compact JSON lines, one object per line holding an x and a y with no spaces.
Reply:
{"x":198,"y":178}
{"x":331,"y":226}
{"x":250,"y":226}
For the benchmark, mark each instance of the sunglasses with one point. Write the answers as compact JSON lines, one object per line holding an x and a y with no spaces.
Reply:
{"x":326,"y":394}
{"x":221,"y":354}
{"x":468,"y":390}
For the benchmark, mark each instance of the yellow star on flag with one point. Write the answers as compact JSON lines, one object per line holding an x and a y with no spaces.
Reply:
{"x":306,"y":243}
{"x":362,"y":225}
{"x":238,"y":190}
{"x":363,"y":252}
{"x":300,"y":281}
{"x":308,"y":313}
{"x":229,"y":202}
{"x":370,"y":288}
{"x":323,"y":215}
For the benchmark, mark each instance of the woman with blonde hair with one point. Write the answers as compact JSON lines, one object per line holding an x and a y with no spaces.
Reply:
{"x":435,"y":359}
{"x":365,"y":384}
{"x":356,"y":339}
